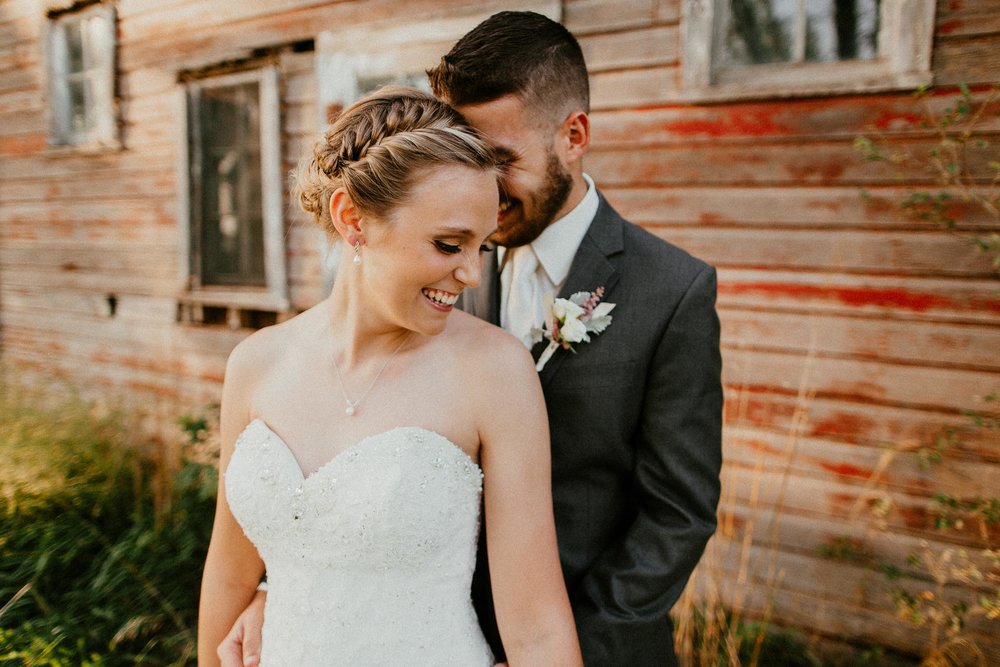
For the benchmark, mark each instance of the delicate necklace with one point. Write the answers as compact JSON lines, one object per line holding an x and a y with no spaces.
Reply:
{"x":352,"y":406}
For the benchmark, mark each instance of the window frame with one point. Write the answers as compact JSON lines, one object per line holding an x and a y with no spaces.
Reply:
{"x":105,"y":133}
{"x":273,"y":296}
{"x":906,"y":32}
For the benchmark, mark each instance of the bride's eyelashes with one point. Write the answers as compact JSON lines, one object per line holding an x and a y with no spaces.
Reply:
{"x":448,"y":248}
{"x":451,"y":249}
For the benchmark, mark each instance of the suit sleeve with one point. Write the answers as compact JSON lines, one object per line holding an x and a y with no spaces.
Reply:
{"x":624,"y":598}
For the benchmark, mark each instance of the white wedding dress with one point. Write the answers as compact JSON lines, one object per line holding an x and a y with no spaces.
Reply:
{"x":370,"y":558}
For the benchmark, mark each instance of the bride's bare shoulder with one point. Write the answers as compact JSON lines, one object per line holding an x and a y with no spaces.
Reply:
{"x":268,"y":346}
{"x":487,"y":347}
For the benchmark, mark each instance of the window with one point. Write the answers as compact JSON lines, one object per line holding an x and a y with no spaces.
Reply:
{"x":81,"y":71}
{"x":760,"y":48}
{"x":231,"y":213}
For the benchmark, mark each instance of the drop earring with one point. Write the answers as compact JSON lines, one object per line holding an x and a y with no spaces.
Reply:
{"x":357,"y":251}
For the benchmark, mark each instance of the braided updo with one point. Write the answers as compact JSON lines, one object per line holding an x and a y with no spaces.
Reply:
{"x":378,"y":146}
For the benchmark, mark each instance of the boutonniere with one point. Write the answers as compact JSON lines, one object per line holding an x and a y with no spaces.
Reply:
{"x":570,"y":321}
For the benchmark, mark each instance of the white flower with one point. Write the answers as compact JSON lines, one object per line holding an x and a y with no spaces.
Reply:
{"x":574,"y":331}
{"x":564,"y":309}
{"x":569,"y":321}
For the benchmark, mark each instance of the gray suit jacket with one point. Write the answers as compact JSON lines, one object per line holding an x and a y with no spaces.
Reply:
{"x":635,"y":418}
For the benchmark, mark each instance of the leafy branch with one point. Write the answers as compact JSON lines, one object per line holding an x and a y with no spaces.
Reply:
{"x":958,"y":138}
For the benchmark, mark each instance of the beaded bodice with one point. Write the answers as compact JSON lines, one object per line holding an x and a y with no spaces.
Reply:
{"x":370,"y":558}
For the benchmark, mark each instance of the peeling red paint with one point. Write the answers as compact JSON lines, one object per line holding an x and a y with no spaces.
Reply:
{"x":695,"y":127}
{"x":24,"y":144}
{"x":876,"y":204}
{"x":732,"y":525}
{"x":846,"y":470}
{"x":888,"y":120}
{"x":840,"y":504}
{"x":757,"y":123}
{"x":860,"y":391}
{"x":212,"y":376}
{"x":737,"y":122}
{"x":809,"y":171}
{"x":948,"y":27}
{"x":828,"y":205}
{"x":167,"y":367}
{"x":150,"y":388}
{"x":859,"y":297}
{"x":843,"y":425}
{"x":707,"y":218}
{"x":764,"y":447}
{"x":915,"y":518}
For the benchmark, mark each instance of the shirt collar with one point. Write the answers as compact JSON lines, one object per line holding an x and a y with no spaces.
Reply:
{"x":556,"y":246}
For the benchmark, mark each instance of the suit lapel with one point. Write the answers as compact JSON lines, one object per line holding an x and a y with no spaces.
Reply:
{"x":596,"y":264}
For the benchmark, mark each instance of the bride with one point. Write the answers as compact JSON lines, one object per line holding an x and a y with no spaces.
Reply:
{"x":360,"y":437}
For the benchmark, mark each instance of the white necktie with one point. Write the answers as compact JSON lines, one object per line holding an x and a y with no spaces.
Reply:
{"x":523,"y":300}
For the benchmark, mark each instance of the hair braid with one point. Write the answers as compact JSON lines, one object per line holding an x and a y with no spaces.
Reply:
{"x":376,"y":147}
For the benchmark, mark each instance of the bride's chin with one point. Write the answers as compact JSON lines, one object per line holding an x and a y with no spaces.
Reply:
{"x":430,"y":326}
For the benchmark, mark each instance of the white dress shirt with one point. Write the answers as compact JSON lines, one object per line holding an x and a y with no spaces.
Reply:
{"x":555,"y":249}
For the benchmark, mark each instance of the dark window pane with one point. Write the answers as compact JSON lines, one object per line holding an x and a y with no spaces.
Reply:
{"x":761,"y":32}
{"x":231,"y":229}
{"x":79,"y":120}
{"x":857,"y":29}
{"x":841,"y":30}
{"x":74,"y":47}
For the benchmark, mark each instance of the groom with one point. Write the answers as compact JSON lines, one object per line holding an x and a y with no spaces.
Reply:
{"x":635,"y":414}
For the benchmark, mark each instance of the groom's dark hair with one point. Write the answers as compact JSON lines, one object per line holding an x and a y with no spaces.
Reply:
{"x":521,"y":53}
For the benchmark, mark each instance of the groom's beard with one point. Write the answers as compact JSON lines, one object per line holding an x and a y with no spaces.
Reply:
{"x":545,"y":203}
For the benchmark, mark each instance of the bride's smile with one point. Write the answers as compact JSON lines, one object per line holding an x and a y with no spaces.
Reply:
{"x":417,"y":261}
{"x":443,"y":300}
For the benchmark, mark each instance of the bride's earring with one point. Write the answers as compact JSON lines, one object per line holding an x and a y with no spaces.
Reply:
{"x":357,"y":251}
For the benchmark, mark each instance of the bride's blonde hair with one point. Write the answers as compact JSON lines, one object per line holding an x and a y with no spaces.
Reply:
{"x":378,"y":146}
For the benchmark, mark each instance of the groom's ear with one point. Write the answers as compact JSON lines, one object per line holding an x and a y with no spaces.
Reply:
{"x":574,"y":135}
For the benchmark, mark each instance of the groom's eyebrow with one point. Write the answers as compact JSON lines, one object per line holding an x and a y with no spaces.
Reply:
{"x":506,"y":155}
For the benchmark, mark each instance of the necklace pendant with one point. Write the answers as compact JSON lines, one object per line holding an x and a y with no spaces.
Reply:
{"x":352,"y":406}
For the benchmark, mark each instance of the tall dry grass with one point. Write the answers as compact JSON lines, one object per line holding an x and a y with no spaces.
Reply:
{"x":102,"y":537}
{"x":714,"y":626}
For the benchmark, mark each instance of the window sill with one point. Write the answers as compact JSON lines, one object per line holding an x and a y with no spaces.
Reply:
{"x":804,"y":81}
{"x":91,"y":148}
{"x":233,"y":308}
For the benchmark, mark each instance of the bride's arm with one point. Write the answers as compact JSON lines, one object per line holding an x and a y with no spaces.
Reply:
{"x":532,"y":607}
{"x":233,"y":567}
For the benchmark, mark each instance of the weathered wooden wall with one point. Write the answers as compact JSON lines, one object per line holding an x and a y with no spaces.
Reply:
{"x":847,"y":330}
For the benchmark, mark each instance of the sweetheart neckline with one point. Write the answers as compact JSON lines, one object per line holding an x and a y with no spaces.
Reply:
{"x":357,"y":445}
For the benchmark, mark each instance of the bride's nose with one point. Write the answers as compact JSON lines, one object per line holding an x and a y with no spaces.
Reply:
{"x":470,"y":270}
